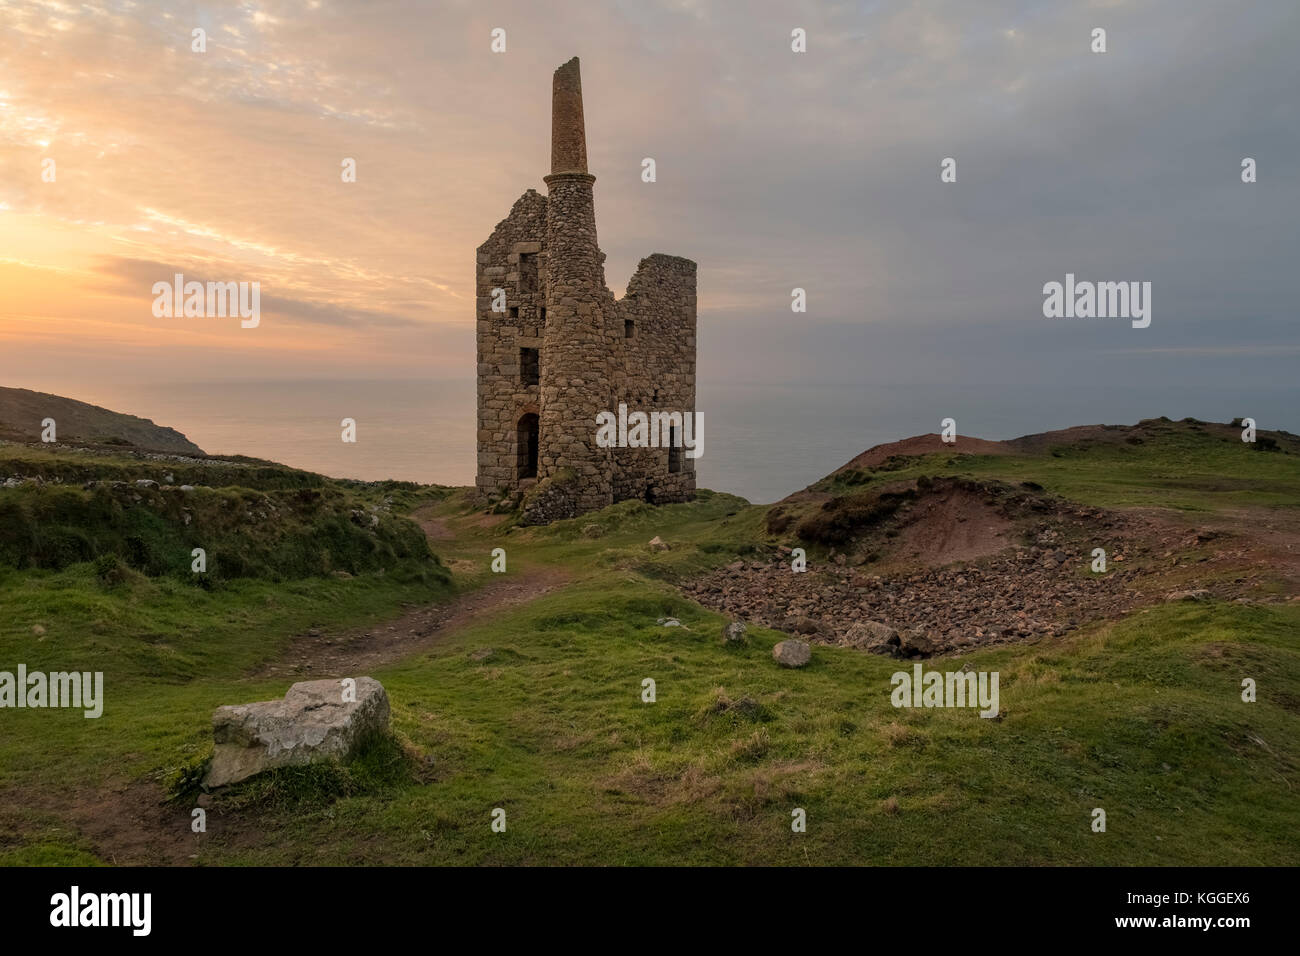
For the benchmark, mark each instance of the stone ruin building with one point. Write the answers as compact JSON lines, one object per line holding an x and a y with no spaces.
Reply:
{"x":564,"y":349}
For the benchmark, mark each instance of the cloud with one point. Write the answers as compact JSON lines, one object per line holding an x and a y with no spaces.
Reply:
{"x":135,"y":278}
{"x":776,"y":169}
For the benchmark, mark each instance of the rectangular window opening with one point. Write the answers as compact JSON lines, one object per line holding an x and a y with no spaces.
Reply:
{"x":529,"y":367}
{"x":629,"y":328}
{"x":674,"y":450}
{"x":527,"y":273}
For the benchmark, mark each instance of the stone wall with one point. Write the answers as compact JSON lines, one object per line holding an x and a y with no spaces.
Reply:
{"x":578,"y":349}
{"x":502,"y":397}
{"x":656,"y":371}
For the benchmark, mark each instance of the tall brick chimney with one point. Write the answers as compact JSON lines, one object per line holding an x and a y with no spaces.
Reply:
{"x":568,"y":132}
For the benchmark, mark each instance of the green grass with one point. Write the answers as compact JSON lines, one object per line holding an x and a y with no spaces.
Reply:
{"x":1142,"y":717}
{"x":244,"y":532}
{"x":1175,"y":467}
{"x":552,"y":728}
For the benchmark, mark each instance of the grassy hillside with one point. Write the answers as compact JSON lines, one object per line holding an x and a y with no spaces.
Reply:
{"x":253,"y":520}
{"x":1188,"y":465}
{"x":536,"y":707}
{"x":23,"y":411}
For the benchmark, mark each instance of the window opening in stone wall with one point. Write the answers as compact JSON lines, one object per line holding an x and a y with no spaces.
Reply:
{"x":674,"y":450}
{"x":527,"y":273}
{"x":529,"y":367}
{"x":527,"y":449}
{"x":629,"y":328}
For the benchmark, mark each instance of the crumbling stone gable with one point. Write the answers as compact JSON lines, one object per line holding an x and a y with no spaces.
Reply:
{"x":503,"y":399}
{"x":656,"y":371}
{"x":588,"y":351}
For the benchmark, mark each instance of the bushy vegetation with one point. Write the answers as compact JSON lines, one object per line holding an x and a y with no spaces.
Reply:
{"x":844,"y":518}
{"x":274,"y":524}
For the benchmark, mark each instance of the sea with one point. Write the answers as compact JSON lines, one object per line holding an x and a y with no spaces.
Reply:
{"x":761,"y":441}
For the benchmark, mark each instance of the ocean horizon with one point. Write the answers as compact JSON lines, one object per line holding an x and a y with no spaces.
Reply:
{"x":761,"y":441}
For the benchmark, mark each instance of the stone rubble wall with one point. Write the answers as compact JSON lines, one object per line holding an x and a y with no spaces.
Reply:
{"x":502,"y":399}
{"x":656,"y":373}
{"x":578,"y":349}
{"x":587,"y":364}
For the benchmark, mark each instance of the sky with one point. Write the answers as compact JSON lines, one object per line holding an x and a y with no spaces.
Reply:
{"x":774,"y":170}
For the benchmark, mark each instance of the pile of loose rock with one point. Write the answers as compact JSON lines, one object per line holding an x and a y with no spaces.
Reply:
{"x":1020,"y":594}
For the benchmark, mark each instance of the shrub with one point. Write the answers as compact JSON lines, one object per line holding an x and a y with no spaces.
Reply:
{"x":840,"y":520}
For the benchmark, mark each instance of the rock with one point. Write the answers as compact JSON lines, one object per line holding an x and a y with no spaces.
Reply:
{"x":592,"y":531}
{"x":146,"y":483}
{"x":873,"y":636}
{"x":657,"y":544}
{"x":801,"y":625}
{"x":311,"y":723}
{"x":482,"y":654}
{"x":38,"y":630}
{"x":344,"y":575}
{"x":792,"y":653}
{"x":1060,"y":557}
{"x":916,"y":643}
{"x":1197,"y":595}
{"x":668,"y":622}
{"x":734,"y":632}
{"x":187,"y":488}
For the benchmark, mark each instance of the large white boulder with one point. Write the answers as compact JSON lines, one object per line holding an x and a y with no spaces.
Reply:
{"x":316,"y":720}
